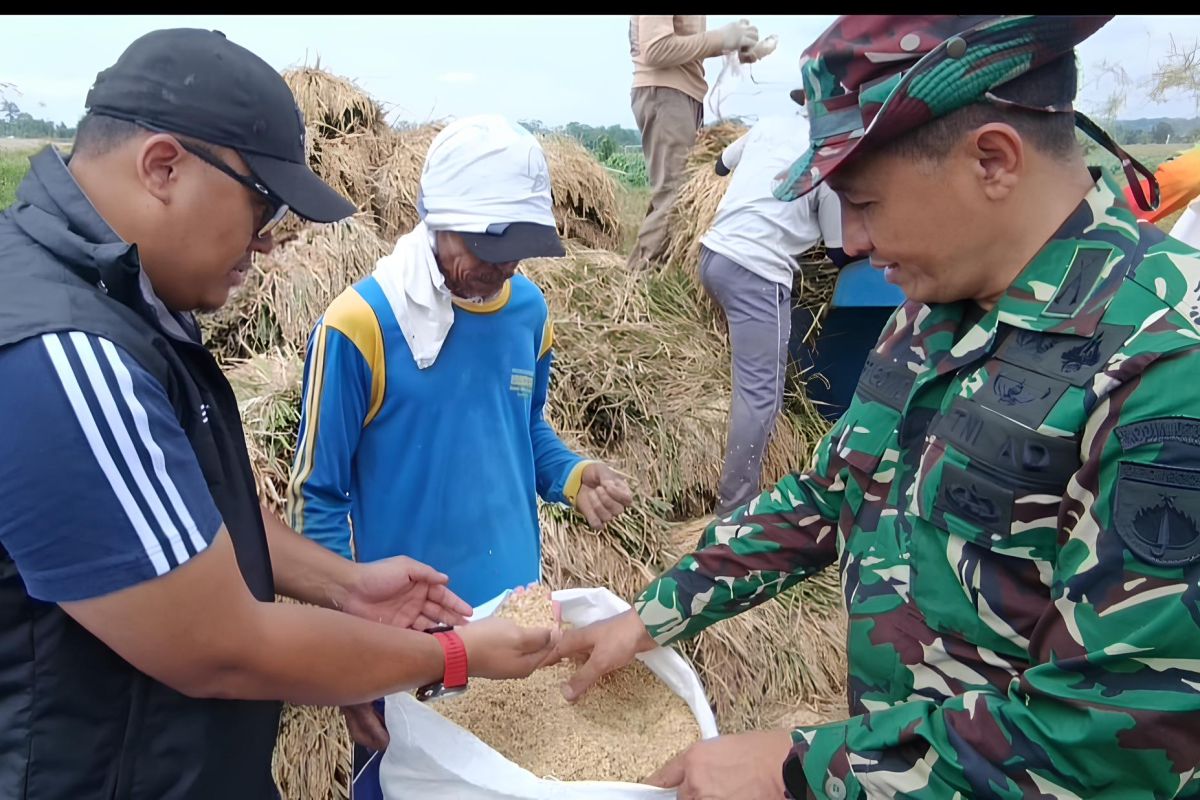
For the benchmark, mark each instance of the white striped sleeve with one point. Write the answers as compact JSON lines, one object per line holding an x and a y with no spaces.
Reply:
{"x":112,"y":493}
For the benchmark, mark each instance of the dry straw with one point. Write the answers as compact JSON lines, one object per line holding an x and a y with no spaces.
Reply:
{"x":585,"y":195}
{"x":286,"y":292}
{"x":701,"y":193}
{"x":332,"y":104}
{"x":642,"y":377}
{"x":399,"y":178}
{"x":313,"y":754}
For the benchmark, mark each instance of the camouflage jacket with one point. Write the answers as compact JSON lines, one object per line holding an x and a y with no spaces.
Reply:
{"x":1014,"y":506}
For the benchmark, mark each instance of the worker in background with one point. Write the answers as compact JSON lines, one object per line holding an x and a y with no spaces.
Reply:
{"x":748,"y":265}
{"x":667,"y":98}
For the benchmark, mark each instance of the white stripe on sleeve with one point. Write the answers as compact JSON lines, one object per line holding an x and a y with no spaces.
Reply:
{"x":83,"y":414}
{"x":119,"y":431}
{"x":125,"y":381}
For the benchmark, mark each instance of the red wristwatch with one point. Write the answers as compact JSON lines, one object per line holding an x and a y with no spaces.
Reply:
{"x":454,"y":677}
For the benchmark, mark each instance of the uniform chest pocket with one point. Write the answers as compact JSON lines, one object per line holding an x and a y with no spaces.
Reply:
{"x":995,"y":482}
{"x":865,"y":436}
{"x":988,"y":496}
{"x":867,"y":432}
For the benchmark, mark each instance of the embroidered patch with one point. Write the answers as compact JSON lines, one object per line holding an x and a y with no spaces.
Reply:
{"x":1006,"y":446}
{"x":1073,"y":358}
{"x":886,"y":382}
{"x":1159,"y":431}
{"x":1156,"y":512}
{"x":1079,"y":282}
{"x":974,"y":498}
{"x":1020,"y":394}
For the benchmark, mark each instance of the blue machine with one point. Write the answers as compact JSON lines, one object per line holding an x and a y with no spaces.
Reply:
{"x":862,"y":304}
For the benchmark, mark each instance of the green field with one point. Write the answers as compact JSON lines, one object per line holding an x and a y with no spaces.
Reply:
{"x":12,"y":169}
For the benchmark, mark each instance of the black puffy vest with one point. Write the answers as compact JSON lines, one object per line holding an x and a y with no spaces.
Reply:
{"x":76,"y":720}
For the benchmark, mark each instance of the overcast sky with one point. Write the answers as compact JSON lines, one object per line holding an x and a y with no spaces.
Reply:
{"x":556,"y":69}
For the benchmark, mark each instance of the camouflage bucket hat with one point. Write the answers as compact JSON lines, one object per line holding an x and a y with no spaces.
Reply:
{"x":870,"y":78}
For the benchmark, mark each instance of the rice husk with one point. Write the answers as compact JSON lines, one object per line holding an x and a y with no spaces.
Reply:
{"x":626,"y":726}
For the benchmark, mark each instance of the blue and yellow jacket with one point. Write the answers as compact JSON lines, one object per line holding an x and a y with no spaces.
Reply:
{"x":444,"y":464}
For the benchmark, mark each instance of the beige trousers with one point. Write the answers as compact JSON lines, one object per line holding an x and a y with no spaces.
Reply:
{"x":668,"y":120}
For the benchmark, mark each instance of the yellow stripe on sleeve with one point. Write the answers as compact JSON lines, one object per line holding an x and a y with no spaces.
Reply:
{"x":302,"y":466}
{"x":575,"y":481}
{"x":353,"y":317}
{"x":547,"y":337}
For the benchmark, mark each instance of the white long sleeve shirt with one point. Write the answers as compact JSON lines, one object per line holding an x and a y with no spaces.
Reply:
{"x":754,"y":229}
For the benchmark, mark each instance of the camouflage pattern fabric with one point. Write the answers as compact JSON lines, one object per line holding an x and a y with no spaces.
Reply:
{"x":869,"y":78}
{"x":1013,"y":502}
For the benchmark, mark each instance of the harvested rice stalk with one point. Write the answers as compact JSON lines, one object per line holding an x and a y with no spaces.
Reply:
{"x":268,"y":392}
{"x":287,"y":291}
{"x":313,"y":753}
{"x":711,"y":140}
{"x":699,"y":195}
{"x":585,"y":201}
{"x":332,"y":104}
{"x":642,"y":378}
{"x":398,"y":178}
{"x":585,"y":195}
{"x":303,"y":278}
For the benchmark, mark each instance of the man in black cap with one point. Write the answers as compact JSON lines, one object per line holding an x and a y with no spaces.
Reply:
{"x":140,"y":653}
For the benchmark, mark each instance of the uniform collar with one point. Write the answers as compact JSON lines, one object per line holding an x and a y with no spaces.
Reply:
{"x":1065,"y":288}
{"x":1068,"y":285}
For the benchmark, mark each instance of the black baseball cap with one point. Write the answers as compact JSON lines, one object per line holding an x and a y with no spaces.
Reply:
{"x":514,"y":241}
{"x":198,"y":83}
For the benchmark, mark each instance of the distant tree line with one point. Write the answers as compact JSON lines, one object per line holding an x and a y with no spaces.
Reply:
{"x":1159,"y":132}
{"x":23,"y":125}
{"x":602,"y":141}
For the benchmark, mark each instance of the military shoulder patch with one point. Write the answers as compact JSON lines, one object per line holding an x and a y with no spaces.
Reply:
{"x":1184,"y":430}
{"x":1156,"y":512}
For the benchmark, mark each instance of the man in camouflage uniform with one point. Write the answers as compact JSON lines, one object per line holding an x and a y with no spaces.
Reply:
{"x":1013,"y":497}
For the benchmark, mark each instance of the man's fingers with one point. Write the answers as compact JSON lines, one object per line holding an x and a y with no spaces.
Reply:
{"x":435,"y":615}
{"x":610,"y":500}
{"x":619,"y":490}
{"x":545,"y":650}
{"x":552,"y":657}
{"x":366,"y":727}
{"x":420,"y":571}
{"x":536,"y":641}
{"x":582,"y":680}
{"x":451,"y":602}
{"x":586,"y":504}
{"x":670,"y":774}
{"x":450,"y":613}
{"x":575,"y":643}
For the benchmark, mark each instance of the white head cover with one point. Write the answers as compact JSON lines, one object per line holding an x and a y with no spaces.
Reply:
{"x":484,"y":170}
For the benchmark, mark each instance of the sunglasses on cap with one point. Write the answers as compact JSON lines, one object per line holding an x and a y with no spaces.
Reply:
{"x":276,"y":209}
